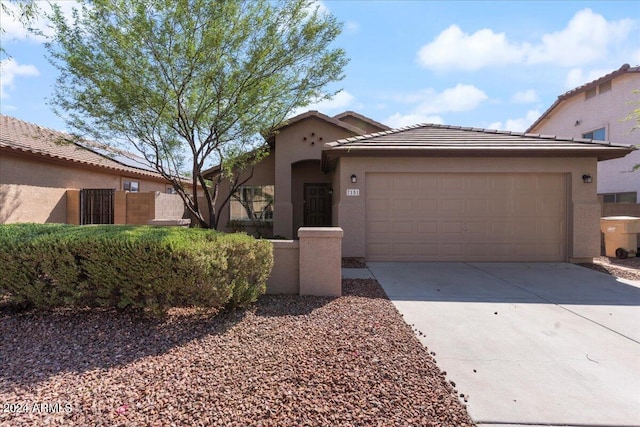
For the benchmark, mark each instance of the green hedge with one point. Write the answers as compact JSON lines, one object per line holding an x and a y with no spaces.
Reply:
{"x":135,"y":267}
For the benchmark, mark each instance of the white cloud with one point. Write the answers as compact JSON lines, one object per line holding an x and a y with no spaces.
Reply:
{"x":351,"y":27}
{"x":15,"y":30}
{"x":9,"y":70}
{"x":319,"y":4}
{"x":525,"y":97}
{"x":517,"y":125}
{"x":588,"y":37}
{"x":577,"y":77}
{"x":454,"y":48}
{"x":429,"y":104}
{"x":401,"y":120}
{"x":460,"y":98}
{"x":340,"y":102}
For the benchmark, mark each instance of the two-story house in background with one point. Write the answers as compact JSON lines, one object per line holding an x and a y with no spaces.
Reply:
{"x":597,"y":110}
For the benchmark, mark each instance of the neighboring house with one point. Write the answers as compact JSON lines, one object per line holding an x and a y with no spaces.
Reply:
{"x":38,"y":166}
{"x":597,"y":110}
{"x":430,"y":192}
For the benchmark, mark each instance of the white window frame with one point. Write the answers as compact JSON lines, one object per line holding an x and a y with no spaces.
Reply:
{"x":592,"y":133}
{"x":131,"y":186}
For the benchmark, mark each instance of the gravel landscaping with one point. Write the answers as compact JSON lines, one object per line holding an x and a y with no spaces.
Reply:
{"x":287,"y":361}
{"x":627,"y":268}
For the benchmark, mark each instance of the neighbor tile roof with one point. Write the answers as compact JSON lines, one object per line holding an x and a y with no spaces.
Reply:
{"x":28,"y":138}
{"x":365,"y":119}
{"x":626,"y":68}
{"x":444,"y":140}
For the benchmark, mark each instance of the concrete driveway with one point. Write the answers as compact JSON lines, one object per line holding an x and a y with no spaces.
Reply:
{"x":528,"y":343}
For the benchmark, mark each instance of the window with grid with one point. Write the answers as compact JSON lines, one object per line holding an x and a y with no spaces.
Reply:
{"x":252,"y":202}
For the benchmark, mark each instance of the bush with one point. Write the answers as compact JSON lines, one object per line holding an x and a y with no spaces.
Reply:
{"x":130,"y":267}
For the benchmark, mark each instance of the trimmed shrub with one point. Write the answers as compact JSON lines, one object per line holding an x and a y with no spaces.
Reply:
{"x":130,"y":267}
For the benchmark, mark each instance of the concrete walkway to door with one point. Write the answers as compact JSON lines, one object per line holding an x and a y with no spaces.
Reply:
{"x":529,"y":343}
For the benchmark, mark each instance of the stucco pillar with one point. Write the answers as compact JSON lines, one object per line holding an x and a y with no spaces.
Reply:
{"x":283,"y":208}
{"x":320,"y":261}
{"x":73,"y":207}
{"x":120,"y":207}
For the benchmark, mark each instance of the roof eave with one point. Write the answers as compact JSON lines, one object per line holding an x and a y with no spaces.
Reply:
{"x":330,"y":153}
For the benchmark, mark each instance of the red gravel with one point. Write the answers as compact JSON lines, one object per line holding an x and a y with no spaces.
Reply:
{"x":628,"y":268}
{"x":303,"y":361}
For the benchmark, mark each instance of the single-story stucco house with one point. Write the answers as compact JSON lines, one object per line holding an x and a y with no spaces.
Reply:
{"x":39,"y":167}
{"x":429,"y":192}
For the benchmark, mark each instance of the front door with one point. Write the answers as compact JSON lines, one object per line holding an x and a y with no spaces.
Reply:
{"x":317,"y":205}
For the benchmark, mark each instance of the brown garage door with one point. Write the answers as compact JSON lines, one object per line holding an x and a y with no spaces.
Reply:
{"x":466,"y":217}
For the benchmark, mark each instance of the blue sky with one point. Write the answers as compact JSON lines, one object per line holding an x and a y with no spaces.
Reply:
{"x":485,"y":64}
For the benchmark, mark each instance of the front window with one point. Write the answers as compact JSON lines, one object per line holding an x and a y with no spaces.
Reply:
{"x":133,"y":186}
{"x":628,"y":197}
{"x":598,"y":134}
{"x":252,"y":202}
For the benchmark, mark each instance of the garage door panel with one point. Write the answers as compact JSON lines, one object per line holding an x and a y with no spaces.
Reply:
{"x":427,"y":227}
{"x":403,"y":206}
{"x":457,"y":217}
{"x":451,"y":227}
{"x":427,"y":182}
{"x":449,"y":206}
{"x":478,"y":207}
{"x":452,"y":182}
{"x":452,"y":249}
{"x":550,"y":207}
{"x":524,"y":208}
{"x":427,"y":206}
{"x":378,"y":205}
{"x":404,"y":227}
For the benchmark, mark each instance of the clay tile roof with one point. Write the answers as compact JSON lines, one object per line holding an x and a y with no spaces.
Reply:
{"x":28,"y":138}
{"x":363,"y":118}
{"x":446,"y":140}
{"x":625,"y":68}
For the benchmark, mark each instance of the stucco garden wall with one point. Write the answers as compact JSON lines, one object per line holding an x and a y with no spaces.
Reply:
{"x":309,"y":266}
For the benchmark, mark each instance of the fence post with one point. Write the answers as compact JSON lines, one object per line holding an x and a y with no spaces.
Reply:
{"x":120,"y":207}
{"x":73,"y":207}
{"x":320,"y":261}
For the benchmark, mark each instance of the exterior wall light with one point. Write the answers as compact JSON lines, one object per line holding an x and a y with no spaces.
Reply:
{"x":587,"y":179}
{"x":354,"y":178}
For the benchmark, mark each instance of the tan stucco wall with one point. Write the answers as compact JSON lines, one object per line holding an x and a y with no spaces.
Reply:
{"x":583,"y":207}
{"x":294,"y":162}
{"x":360,"y":124}
{"x":285,"y":274}
{"x":35,"y":191}
{"x":310,"y":266}
{"x":603,"y":110}
{"x":300,"y":141}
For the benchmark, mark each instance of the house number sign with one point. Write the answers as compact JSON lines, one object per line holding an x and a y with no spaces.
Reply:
{"x":353,"y":191}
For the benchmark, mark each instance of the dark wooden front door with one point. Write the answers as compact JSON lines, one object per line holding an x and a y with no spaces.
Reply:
{"x":317,"y":204}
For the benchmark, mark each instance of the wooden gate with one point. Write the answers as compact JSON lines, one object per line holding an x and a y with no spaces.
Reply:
{"x":96,"y":206}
